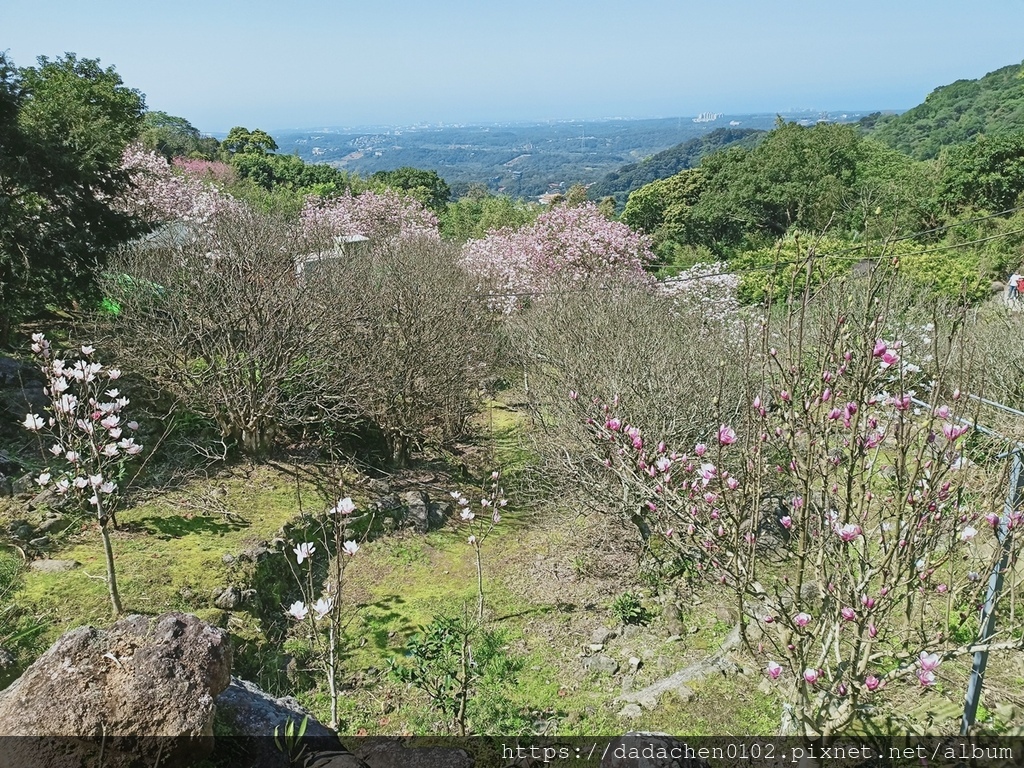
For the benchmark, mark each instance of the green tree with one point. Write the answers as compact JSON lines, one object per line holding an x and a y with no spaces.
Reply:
{"x":987,"y":173}
{"x":242,"y":141}
{"x":173,"y":137}
{"x":425,"y":186}
{"x":64,"y":125}
{"x":479,"y":212}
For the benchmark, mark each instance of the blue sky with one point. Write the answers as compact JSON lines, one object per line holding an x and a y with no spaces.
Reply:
{"x":318,"y":63}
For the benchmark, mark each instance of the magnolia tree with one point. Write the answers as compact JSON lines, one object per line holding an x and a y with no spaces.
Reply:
{"x":320,"y":612}
{"x":480,"y":525}
{"x":160,"y":194}
{"x":840,"y":509}
{"x":86,"y":438}
{"x":565,"y":244}
{"x":375,"y":215}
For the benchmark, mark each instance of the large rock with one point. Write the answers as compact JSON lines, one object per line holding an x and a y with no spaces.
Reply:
{"x":251,"y":715}
{"x":420,"y":514}
{"x":142,"y":692}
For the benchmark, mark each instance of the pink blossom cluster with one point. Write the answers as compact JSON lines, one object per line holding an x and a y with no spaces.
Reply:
{"x":205,"y":170}
{"x":706,"y":287}
{"x":160,"y":195}
{"x":376,"y":215}
{"x":568,"y":244}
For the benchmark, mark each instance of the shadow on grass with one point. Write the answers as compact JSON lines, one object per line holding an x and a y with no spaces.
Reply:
{"x":384,"y":620}
{"x":178,"y":526}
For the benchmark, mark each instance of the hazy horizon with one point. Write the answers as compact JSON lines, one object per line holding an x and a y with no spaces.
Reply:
{"x":315,"y":64}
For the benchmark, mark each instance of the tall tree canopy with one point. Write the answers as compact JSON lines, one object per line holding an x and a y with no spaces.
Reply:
{"x":64,"y":125}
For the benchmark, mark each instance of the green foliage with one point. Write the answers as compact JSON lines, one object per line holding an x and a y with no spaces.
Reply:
{"x":473,"y":216}
{"x":951,"y":272}
{"x":173,"y":136}
{"x":620,"y":183}
{"x":956,"y":113}
{"x":281,"y":182}
{"x":986,"y":174}
{"x":439,"y":662}
{"x":64,"y":125}
{"x":465,"y":670}
{"x":783,"y":269}
{"x":289,"y":742}
{"x":242,"y":141}
{"x":425,"y":186}
{"x":628,"y":608}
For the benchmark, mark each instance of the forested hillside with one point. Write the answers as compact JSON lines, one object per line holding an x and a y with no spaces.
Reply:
{"x":620,"y":183}
{"x":955,"y":113}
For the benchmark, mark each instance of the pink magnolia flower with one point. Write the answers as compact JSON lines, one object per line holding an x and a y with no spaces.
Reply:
{"x":848,"y":532}
{"x":953,"y":432}
{"x":872,"y":683}
{"x":929,"y":661}
{"x":926,"y":677}
{"x":993,"y":519}
{"x":700,"y":449}
{"x":726,"y":435}
{"x":802,"y":619}
{"x":613,"y":424}
{"x":774,"y":669}
{"x":786,"y":521}
{"x":880,"y":348}
{"x":811,"y":676}
{"x":872,"y":630}
{"x":848,"y":613}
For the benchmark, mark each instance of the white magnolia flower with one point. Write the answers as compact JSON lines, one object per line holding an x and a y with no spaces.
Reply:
{"x":33,"y":422}
{"x":350,"y":548}
{"x":323,"y":607}
{"x":345,"y":506}
{"x":44,"y":478}
{"x":303,"y":551}
{"x":298,"y":610}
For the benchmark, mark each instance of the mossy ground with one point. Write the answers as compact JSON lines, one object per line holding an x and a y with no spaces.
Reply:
{"x":550,"y":575}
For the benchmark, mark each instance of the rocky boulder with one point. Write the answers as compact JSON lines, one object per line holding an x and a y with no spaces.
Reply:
{"x":142,"y":692}
{"x":250,"y":717}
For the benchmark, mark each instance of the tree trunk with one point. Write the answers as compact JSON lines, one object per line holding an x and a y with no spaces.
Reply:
{"x":115,"y":596}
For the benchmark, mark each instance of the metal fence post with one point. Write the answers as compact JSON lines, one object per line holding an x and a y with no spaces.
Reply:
{"x":995,"y":585}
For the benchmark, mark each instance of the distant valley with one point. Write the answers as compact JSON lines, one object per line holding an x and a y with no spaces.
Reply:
{"x":523,"y":159}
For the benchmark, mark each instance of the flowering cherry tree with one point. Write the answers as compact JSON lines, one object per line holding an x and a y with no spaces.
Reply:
{"x":161,"y":194}
{"x":320,"y":611}
{"x":563,"y":244}
{"x":86,"y":437}
{"x":376,"y":215}
{"x":848,"y":469}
